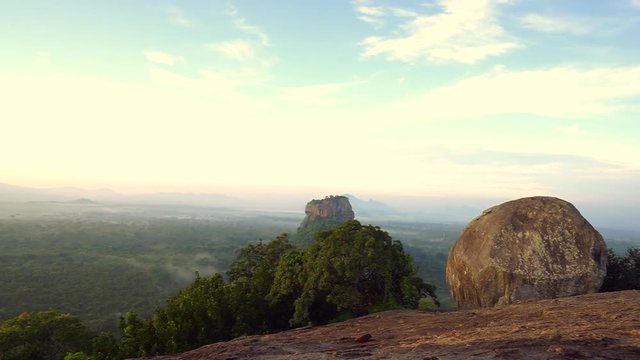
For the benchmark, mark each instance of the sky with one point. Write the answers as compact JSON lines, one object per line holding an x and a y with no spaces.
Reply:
{"x":483,"y":98}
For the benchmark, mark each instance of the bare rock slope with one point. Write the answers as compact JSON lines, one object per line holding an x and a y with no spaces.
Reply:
{"x":593,"y":326}
{"x":523,"y":250}
{"x":332,"y":208}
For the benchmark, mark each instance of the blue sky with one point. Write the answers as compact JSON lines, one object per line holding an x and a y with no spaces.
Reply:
{"x":502,"y":98}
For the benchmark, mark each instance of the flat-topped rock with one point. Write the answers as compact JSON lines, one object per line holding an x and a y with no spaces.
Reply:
{"x":335,"y":208}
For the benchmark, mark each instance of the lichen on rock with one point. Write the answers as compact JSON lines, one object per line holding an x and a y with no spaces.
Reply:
{"x":524,"y":250}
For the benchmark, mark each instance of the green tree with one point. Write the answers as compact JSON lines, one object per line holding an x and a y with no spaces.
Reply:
{"x":43,"y":335}
{"x":623,"y":272}
{"x":287,"y":286}
{"x":165,"y":333}
{"x":77,"y":356}
{"x":248,"y":306}
{"x":354,"y":270}
{"x":134,"y":336}
{"x":200,"y":313}
{"x":210,"y":310}
{"x":105,"y":346}
{"x":252,"y":275}
{"x":288,"y":280}
{"x":349,"y":271}
{"x":305,"y":236}
{"x":259,"y":260}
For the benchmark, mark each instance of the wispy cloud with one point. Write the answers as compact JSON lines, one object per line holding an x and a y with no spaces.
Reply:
{"x":159,"y":57}
{"x":463,"y":31}
{"x":399,"y":12}
{"x":206,"y":83}
{"x":369,"y":13}
{"x":635,"y":3}
{"x":558,"y":24}
{"x":575,"y":130}
{"x":555,"y":92}
{"x":178,"y":17}
{"x":319,"y":94}
{"x":242,"y":24}
{"x":240,"y":50}
{"x":547,"y":172}
{"x":44,"y":57}
{"x":526,"y":159}
{"x":223,"y":89}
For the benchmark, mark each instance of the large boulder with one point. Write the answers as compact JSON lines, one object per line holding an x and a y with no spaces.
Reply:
{"x":524,"y":250}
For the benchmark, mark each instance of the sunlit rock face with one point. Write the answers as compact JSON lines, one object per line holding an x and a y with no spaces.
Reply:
{"x":525,"y":250}
{"x":332,"y":207}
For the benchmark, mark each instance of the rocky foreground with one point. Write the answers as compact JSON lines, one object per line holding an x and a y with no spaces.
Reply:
{"x":594,"y":326}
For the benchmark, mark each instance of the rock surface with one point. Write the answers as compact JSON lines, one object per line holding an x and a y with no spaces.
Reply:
{"x":330,"y":208}
{"x":524,"y":250}
{"x":593,"y":326}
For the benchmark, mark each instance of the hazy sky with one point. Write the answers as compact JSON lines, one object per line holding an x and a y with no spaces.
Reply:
{"x":452,"y":97}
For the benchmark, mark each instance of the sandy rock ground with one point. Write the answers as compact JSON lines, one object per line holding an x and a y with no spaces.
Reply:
{"x":594,"y":326}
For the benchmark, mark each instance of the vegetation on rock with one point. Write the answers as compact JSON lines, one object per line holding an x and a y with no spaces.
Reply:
{"x":355,"y":270}
{"x":623,"y":272}
{"x":304,"y":236}
{"x":343,"y":270}
{"x":97,"y":269}
{"x":322,"y":215}
{"x":270,"y":286}
{"x":350,"y":271}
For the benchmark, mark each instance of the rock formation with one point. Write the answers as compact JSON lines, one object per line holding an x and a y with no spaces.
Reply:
{"x":593,"y":326}
{"x":523,"y":250}
{"x":335,"y":208}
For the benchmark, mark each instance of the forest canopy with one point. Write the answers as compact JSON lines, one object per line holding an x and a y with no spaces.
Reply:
{"x":349,"y":271}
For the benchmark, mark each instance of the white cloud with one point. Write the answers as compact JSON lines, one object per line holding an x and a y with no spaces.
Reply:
{"x":464,"y":31}
{"x":254,"y":30}
{"x":554,"y":92}
{"x":159,"y":57}
{"x":368,"y":13}
{"x":370,"y":10}
{"x":178,"y":123}
{"x":240,"y":50}
{"x":635,"y":3}
{"x":178,"y":17}
{"x":399,"y":12}
{"x":575,"y":130}
{"x":242,"y":24}
{"x":320,"y":94}
{"x":222,"y":87}
{"x":557,"y":24}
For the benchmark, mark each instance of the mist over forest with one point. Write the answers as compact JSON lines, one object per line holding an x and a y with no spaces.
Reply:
{"x":613,"y":214}
{"x":101,"y":256}
{"x":156,"y":158}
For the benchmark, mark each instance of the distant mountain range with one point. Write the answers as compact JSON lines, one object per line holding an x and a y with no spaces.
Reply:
{"x":11,"y":193}
{"x":392,"y":208}
{"x":370,"y":208}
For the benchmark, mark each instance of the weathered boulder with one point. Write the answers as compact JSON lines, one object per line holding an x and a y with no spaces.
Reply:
{"x":335,"y":208}
{"x":524,"y":250}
